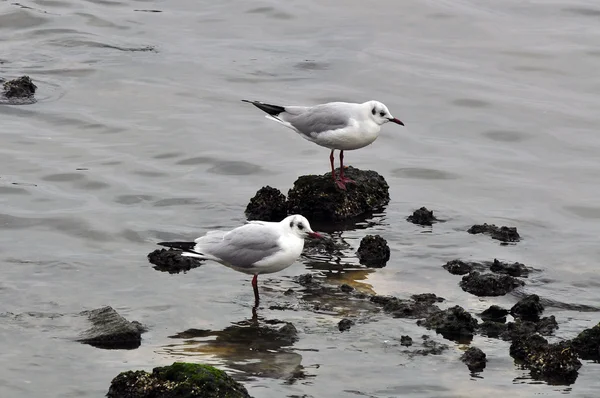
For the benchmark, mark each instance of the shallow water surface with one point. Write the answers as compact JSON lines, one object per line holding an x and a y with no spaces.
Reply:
{"x":139,"y":136}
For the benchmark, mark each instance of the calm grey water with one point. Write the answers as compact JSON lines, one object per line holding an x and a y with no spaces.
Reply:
{"x":139,"y":136}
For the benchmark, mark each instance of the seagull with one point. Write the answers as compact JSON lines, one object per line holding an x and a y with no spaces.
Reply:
{"x":255,"y":248}
{"x":334,"y":125}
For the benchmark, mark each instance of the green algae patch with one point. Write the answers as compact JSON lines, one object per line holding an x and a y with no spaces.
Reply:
{"x":179,"y":380}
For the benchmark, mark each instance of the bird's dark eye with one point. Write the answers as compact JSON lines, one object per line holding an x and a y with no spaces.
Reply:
{"x":373,"y":111}
{"x":382,"y":114}
{"x":291,"y":224}
{"x":300,"y":226}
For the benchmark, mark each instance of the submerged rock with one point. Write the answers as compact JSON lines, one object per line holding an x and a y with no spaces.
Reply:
{"x":514,"y":269}
{"x":21,"y":87}
{"x":587,"y":343}
{"x":326,"y":246}
{"x":503,"y":234}
{"x":547,"y":325}
{"x":319,"y":199}
{"x":495,"y":314}
{"x":521,"y":329}
{"x":304,"y":279}
{"x":373,"y":251}
{"x":453,"y":324}
{"x":171,"y":261}
{"x":489,"y":284}
{"x":345,"y":324}
{"x":492,"y":329}
{"x":179,"y":380}
{"x":475,"y":359}
{"x":110,"y":330}
{"x":248,"y":334}
{"x":269,"y":204}
{"x":528,"y":308}
{"x":346,"y":288}
{"x":554,"y":363}
{"x":429,"y":347}
{"x":422,"y":216}
{"x":458,"y":267}
{"x":419,"y":306}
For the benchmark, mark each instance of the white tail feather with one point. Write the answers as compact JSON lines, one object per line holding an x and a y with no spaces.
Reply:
{"x":276,"y":119}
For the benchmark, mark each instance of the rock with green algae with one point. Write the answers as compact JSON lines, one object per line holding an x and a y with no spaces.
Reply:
{"x":318,"y":198}
{"x":179,"y":380}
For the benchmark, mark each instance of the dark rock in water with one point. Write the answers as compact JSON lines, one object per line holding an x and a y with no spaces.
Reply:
{"x":111,"y":331}
{"x":489,"y":284}
{"x":400,"y":308}
{"x":492,"y":329}
{"x":554,"y":363}
{"x":21,"y":87}
{"x":267,"y":335}
{"x":430,"y":347}
{"x":179,"y":380}
{"x":495,"y":314}
{"x":547,"y":325}
{"x":453,"y":324}
{"x":514,"y":269}
{"x":422,"y":216}
{"x":519,"y":330}
{"x":319,"y":199}
{"x":172,"y":261}
{"x":345,"y":324}
{"x":427,"y":298}
{"x":269,"y":204}
{"x":373,"y":251}
{"x":346,"y":288}
{"x":326,"y":246}
{"x":587,"y":343}
{"x":504,"y":234}
{"x":528,"y":308}
{"x":259,"y":337}
{"x":406,"y":341}
{"x":304,"y":279}
{"x":475,"y":359}
{"x":458,"y":267}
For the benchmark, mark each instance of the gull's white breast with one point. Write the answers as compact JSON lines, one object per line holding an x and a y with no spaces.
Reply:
{"x":355,"y":136}
{"x":291,"y":248}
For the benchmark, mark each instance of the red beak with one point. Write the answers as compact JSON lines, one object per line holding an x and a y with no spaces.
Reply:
{"x":315,"y":235}
{"x":397,"y":121}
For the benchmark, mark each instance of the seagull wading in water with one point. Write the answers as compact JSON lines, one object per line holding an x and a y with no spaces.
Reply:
{"x":335,"y":125}
{"x":255,"y":248}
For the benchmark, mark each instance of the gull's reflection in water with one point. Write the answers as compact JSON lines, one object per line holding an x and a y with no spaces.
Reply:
{"x":254,"y":347}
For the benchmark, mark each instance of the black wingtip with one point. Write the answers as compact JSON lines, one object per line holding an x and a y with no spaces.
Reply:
{"x":178,"y":245}
{"x":271,"y":109}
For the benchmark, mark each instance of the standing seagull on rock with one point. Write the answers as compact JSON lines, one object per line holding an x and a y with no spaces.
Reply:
{"x":335,"y":125}
{"x":258,"y":247}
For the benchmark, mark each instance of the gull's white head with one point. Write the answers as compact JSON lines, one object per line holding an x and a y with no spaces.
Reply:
{"x":299,"y":226}
{"x":380,"y":114}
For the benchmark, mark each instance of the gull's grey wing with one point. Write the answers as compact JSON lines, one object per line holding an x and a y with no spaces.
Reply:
{"x":242,"y":246}
{"x":317,"y":119}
